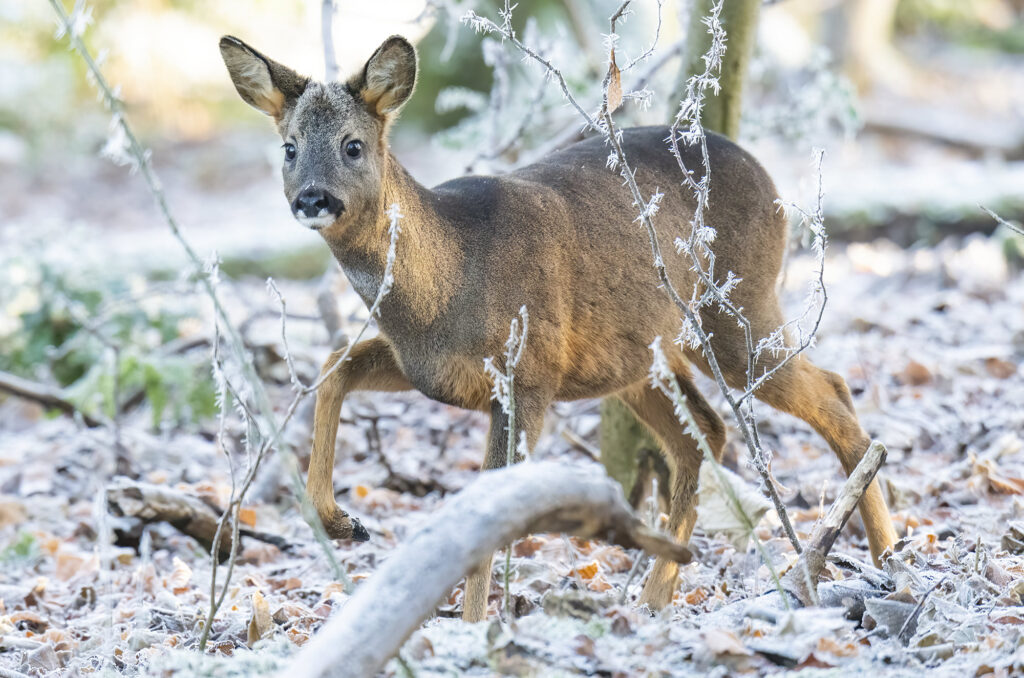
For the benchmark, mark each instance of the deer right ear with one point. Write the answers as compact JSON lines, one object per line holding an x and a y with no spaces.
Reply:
{"x":262,"y":83}
{"x":388,"y":78}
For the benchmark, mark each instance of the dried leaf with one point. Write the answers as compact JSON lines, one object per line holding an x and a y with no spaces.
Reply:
{"x":714,"y":511}
{"x":999,"y":368}
{"x":914,"y":374}
{"x":247,"y":516}
{"x":724,"y":641}
{"x":998,"y":481}
{"x":12,"y":512}
{"x":696,"y":596}
{"x":179,"y":580}
{"x":587,"y":571}
{"x":261,"y":622}
{"x":614,"y":85}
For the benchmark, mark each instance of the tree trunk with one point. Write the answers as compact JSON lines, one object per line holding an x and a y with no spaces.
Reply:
{"x":739,"y":19}
{"x":622,"y":436}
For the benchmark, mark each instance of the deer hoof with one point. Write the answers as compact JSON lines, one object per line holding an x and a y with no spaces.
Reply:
{"x":359,"y":532}
{"x":338,"y":525}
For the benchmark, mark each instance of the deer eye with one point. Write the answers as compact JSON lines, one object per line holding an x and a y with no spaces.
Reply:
{"x":290,"y":152}
{"x":354,"y":149}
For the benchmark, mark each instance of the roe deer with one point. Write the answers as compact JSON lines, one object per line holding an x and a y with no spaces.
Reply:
{"x":558,"y":237}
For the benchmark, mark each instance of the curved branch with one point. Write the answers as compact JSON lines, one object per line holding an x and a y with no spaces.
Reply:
{"x":498,"y":507}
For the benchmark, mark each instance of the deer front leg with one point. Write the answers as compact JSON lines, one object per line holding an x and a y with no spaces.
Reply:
{"x":530,"y":409}
{"x":371,"y":366}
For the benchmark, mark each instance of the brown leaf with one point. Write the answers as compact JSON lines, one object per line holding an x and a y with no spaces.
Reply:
{"x":528,"y":546}
{"x":998,"y":481}
{"x":247,"y":516}
{"x":914,"y":374}
{"x":260,"y":623}
{"x":180,"y":578}
{"x":11,"y":513}
{"x":999,"y":368}
{"x":696,"y":596}
{"x":724,"y":641}
{"x":586,"y":571}
{"x":614,"y":85}
{"x":584,"y":645}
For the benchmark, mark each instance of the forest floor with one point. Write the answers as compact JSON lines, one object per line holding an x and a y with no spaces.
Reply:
{"x":930,"y":341}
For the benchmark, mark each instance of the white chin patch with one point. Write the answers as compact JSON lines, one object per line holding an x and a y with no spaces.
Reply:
{"x":323,"y":220}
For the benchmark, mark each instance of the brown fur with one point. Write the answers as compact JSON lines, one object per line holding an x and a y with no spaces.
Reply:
{"x":558,"y":237}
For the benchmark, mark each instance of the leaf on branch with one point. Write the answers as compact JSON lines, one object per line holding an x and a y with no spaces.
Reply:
{"x":614,"y":79}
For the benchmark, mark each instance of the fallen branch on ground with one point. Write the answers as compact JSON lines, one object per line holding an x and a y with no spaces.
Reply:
{"x":498,"y":507}
{"x":801,"y":580}
{"x":187,"y":513}
{"x":44,"y":395}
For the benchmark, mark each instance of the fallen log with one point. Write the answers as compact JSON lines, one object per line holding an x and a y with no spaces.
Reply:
{"x":44,"y":395}
{"x":155,"y":503}
{"x":185,"y":512}
{"x":498,"y":507}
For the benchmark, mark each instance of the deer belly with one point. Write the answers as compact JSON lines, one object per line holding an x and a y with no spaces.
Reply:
{"x":455,"y":381}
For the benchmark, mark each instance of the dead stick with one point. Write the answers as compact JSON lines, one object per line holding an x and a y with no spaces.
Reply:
{"x":498,"y":507}
{"x":44,"y":395}
{"x":802,"y":579}
{"x":185,"y":512}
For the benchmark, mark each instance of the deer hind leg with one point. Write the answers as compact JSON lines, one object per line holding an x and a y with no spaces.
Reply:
{"x":657,"y":413}
{"x":822,"y":399}
{"x":371,"y":366}
{"x":530,"y":408}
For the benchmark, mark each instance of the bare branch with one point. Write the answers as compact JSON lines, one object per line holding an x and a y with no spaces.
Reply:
{"x":44,"y":395}
{"x":496,"y":508}
{"x":802,"y":579}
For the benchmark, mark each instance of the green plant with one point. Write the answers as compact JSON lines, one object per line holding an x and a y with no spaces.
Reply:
{"x":101,"y":336}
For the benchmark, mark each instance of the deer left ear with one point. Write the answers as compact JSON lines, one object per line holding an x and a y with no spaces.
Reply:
{"x":388,"y":78}
{"x":262,"y":83}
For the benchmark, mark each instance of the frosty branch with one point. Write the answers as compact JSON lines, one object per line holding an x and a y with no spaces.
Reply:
{"x":264,"y":430}
{"x":701,"y":235}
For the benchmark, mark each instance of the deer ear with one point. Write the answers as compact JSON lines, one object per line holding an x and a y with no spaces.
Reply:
{"x":262,"y":83}
{"x":388,"y":78}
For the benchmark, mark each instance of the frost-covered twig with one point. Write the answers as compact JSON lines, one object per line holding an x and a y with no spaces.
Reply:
{"x":1003,"y":222}
{"x":327,"y":34}
{"x":664,"y":380}
{"x":817,"y":297}
{"x":701,"y":235}
{"x":802,"y":579}
{"x":264,"y":430}
{"x":301,"y":391}
{"x":125,"y":147}
{"x":503,"y":391}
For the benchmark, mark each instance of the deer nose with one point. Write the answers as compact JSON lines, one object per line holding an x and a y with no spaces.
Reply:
{"x":316,"y":202}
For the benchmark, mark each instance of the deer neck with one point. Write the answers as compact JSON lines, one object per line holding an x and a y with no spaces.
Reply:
{"x":426,"y":270}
